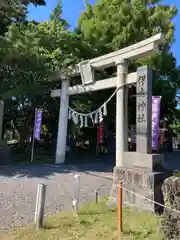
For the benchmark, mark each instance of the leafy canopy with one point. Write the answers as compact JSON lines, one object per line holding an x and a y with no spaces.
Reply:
{"x":28,"y":54}
{"x":119,"y":23}
{"x":14,"y":11}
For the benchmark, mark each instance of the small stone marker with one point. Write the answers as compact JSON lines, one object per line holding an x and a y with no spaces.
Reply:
{"x":75,"y":203}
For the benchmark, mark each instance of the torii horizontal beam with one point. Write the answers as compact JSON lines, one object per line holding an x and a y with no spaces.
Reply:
{"x":140,"y":49}
{"x":143,"y":48}
{"x":99,"y":85}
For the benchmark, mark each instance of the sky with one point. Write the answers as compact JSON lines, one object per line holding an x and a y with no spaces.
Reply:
{"x":73,"y":8}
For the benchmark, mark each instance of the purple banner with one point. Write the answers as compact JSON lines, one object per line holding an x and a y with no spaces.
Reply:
{"x":156,"y":104}
{"x":37,"y":124}
{"x":155,"y":123}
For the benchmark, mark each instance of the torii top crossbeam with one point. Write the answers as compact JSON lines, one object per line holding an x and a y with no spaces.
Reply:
{"x":86,"y":68}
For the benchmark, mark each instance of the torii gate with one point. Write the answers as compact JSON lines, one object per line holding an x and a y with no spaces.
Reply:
{"x":86,"y":70}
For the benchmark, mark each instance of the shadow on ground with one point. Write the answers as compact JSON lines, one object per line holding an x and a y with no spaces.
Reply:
{"x":43,"y":165}
{"x":47,"y":170}
{"x":88,"y":166}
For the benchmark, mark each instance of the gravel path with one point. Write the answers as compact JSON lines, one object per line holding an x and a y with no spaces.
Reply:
{"x":18,"y":186}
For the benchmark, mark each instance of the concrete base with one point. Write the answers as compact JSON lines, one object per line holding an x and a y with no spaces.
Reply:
{"x":60,"y":159}
{"x":141,"y":182}
{"x":150,"y":162}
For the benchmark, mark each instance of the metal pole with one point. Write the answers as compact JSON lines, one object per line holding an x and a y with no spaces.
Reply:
{"x":33,"y":140}
{"x":32,"y":149}
{"x":119,"y":206}
{"x":97,"y":196}
{"x":41,"y":204}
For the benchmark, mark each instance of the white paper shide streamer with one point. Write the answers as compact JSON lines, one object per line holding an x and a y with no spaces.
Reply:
{"x":81,"y":119}
{"x":95,"y":116}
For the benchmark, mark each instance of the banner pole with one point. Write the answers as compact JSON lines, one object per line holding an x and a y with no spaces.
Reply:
{"x":33,"y":139}
{"x":32,"y":148}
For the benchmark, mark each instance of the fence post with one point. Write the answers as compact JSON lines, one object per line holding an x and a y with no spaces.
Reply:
{"x":40,"y":204}
{"x":37,"y":203}
{"x":119,"y":206}
{"x":76,"y":193}
{"x":97,"y":196}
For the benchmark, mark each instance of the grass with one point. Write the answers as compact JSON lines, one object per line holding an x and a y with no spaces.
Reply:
{"x":95,"y":222}
{"x":176,"y":174}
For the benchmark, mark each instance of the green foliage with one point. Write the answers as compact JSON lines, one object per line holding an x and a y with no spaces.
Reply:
{"x":176,"y":127}
{"x":29,"y":52}
{"x":56,"y":16}
{"x":14,"y":11}
{"x":33,"y":51}
{"x":117,"y":24}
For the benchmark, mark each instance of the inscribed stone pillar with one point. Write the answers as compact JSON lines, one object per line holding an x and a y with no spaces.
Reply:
{"x":144,"y":110}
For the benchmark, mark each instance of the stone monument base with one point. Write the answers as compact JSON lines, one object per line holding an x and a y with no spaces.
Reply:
{"x":142,"y":181}
{"x":143,"y":160}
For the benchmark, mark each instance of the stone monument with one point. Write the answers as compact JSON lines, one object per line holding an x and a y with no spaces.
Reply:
{"x":142,"y":171}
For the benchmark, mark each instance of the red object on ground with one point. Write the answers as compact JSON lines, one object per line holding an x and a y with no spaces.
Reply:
{"x":100,"y":133}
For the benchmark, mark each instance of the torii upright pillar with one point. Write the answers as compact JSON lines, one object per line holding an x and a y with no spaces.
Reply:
{"x":122,"y":70}
{"x":63,"y":123}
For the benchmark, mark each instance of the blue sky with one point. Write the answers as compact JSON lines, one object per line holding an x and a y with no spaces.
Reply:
{"x":73,"y":8}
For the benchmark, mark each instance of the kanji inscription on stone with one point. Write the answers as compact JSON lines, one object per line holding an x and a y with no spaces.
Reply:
{"x":144,"y":110}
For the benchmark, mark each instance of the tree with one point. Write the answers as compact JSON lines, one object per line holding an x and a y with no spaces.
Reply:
{"x":56,"y":16}
{"x":121,"y":23}
{"x":108,"y":26}
{"x":29,"y":53}
{"x":176,"y":128}
{"x":37,"y":50}
{"x":14,"y":11}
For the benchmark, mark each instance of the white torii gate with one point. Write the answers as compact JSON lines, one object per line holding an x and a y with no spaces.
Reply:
{"x":86,"y":70}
